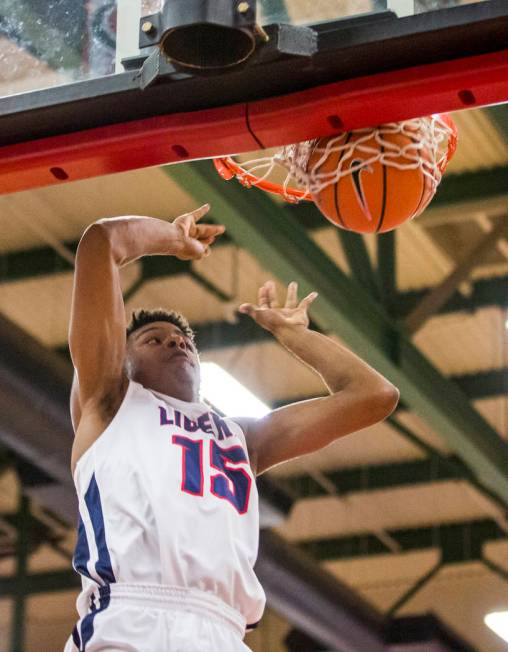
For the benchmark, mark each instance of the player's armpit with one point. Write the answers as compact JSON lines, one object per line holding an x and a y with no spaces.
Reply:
{"x":75,"y":404}
{"x":307,"y":426}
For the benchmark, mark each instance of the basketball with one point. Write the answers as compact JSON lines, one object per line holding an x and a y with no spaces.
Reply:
{"x":372,"y":180}
{"x":369,"y":180}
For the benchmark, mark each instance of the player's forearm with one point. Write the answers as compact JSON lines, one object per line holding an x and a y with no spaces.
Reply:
{"x":132,"y":237}
{"x":338,"y":367}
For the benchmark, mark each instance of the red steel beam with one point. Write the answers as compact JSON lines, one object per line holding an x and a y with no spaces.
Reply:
{"x":351,"y":104}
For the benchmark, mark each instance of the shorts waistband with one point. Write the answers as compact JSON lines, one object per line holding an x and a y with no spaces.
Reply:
{"x":175,"y":598}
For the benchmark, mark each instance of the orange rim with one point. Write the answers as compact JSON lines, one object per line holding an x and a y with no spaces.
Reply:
{"x":228,"y":169}
{"x":452,"y":140}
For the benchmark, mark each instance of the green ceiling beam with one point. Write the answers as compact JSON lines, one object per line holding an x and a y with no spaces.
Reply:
{"x":37,"y":531}
{"x":377,"y":476}
{"x":282,"y":246}
{"x":387,"y":269}
{"x":434,"y":467}
{"x":439,"y":295}
{"x":34,"y":263}
{"x":18,"y":629}
{"x":471,"y":186}
{"x":358,"y":260}
{"x":41,"y":583}
{"x":45,"y":261}
{"x":498,"y":115}
{"x":41,"y":262}
{"x":459,"y":542}
{"x":485,"y":293}
{"x":414,"y":589}
{"x":484,"y":384}
{"x":222,"y":334}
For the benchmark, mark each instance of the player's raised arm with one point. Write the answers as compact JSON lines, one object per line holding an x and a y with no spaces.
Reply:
{"x":97,"y":326}
{"x":359,"y":395}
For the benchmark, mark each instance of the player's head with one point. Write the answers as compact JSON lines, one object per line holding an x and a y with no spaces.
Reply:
{"x":161,"y":353}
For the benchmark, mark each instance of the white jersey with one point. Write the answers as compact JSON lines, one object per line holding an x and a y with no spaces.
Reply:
{"x":167,"y":497}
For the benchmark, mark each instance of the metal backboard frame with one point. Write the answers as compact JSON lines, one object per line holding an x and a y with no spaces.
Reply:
{"x":369,"y":68}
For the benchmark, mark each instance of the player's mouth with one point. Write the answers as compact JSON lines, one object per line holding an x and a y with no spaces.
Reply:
{"x":181,"y":355}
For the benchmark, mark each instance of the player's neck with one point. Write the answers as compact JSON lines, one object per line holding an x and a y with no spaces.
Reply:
{"x":182,"y":392}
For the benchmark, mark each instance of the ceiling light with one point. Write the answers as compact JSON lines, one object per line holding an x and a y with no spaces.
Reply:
{"x":498,"y":623}
{"x":228,"y":395}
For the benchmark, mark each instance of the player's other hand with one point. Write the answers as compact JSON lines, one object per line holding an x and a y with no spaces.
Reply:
{"x":194,"y":240}
{"x":274,"y":317}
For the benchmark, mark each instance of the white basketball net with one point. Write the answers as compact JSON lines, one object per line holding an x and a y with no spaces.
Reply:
{"x":426,"y":148}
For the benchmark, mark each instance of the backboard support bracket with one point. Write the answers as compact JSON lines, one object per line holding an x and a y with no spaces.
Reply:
{"x":289,"y":40}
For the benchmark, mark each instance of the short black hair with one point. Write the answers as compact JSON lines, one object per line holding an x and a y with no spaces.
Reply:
{"x":142,"y":317}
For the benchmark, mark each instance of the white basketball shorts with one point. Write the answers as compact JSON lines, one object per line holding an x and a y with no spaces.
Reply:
{"x":155,"y":618}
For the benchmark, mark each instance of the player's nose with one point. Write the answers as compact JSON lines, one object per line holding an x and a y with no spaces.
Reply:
{"x":176,"y":341}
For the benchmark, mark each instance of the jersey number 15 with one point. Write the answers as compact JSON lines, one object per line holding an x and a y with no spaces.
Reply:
{"x":227,"y":483}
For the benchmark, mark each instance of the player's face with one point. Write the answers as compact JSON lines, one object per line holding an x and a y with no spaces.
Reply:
{"x":160,"y":356}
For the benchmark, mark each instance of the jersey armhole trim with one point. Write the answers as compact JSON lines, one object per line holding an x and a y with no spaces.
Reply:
{"x":235,"y":420}
{"x":242,"y":436}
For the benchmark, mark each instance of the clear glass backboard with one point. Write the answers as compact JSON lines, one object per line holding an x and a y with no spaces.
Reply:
{"x":48,"y":43}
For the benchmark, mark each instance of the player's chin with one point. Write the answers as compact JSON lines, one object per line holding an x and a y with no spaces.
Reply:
{"x":183,"y":371}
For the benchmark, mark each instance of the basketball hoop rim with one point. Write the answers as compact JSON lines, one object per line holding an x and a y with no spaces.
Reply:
{"x":228,"y":169}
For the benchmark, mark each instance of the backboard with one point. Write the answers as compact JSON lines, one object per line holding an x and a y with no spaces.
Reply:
{"x":70,"y":109}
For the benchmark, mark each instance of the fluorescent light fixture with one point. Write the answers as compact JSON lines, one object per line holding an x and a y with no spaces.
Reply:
{"x":506,"y":324}
{"x":498,"y":623}
{"x":228,"y":395}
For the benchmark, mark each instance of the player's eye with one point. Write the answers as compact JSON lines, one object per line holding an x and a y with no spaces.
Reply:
{"x":151,"y":340}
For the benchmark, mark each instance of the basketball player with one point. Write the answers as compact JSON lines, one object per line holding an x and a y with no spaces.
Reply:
{"x":168,"y":527}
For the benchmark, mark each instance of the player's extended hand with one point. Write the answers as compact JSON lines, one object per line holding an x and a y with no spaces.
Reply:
{"x":194,"y":240}
{"x":270,"y":315}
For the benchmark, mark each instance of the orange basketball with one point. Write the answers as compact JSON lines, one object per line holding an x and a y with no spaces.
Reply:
{"x":381,"y":182}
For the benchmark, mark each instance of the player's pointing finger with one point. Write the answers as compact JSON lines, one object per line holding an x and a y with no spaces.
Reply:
{"x":198,"y":213}
{"x":310,"y":298}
